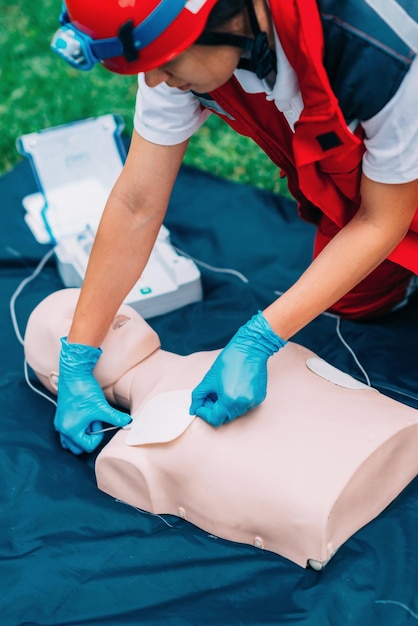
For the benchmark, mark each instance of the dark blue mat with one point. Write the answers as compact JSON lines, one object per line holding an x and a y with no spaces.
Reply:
{"x":71,"y":555}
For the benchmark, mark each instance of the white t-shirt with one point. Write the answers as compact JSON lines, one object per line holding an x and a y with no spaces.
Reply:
{"x":168,"y":116}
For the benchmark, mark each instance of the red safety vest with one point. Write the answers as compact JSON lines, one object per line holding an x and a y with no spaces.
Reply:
{"x":322,"y":158}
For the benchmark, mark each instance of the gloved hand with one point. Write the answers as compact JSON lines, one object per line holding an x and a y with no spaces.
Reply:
{"x":237,"y":381}
{"x":82,"y":406}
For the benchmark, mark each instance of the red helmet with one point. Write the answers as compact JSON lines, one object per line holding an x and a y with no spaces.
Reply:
{"x":129,"y":36}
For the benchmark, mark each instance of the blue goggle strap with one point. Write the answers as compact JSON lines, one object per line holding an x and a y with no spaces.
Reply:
{"x":82,"y":51}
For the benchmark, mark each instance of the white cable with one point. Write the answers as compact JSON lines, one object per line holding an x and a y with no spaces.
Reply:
{"x":368,"y":381}
{"x":143,"y":511}
{"x":38,"y":391}
{"x":19,"y":337}
{"x":102,"y":430}
{"x":220,"y":270}
{"x":351,"y":351}
{"x":20,"y":288}
{"x":401,"y":393}
{"x":343,"y":341}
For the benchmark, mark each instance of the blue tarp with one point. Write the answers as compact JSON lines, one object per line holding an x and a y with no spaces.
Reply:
{"x":71,"y":555}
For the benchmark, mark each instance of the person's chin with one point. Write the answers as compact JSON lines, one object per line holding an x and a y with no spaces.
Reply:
{"x":187,"y":87}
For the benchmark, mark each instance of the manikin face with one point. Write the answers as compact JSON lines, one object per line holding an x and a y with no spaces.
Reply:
{"x":128,"y":341}
{"x":200,"y":68}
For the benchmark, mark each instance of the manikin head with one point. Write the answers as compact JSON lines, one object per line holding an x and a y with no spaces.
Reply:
{"x":128,"y":341}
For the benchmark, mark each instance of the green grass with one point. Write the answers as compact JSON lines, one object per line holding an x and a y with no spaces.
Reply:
{"x":38,"y":90}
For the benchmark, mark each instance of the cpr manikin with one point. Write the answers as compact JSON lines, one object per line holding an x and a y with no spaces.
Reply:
{"x":298,"y":475}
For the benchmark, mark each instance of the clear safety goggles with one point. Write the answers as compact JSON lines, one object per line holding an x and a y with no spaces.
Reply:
{"x":83,"y":52}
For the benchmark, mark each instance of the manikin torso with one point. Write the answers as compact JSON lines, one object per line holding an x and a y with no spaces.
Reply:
{"x":298,"y":475}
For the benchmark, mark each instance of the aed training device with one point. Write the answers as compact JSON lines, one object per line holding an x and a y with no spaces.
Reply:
{"x":168,"y":282}
{"x":76,"y":166}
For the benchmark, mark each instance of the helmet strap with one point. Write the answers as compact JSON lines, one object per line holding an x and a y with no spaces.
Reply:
{"x":257,"y":57}
{"x":125,"y":35}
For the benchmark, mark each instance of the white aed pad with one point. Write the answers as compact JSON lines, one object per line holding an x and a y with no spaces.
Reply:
{"x":164,"y":418}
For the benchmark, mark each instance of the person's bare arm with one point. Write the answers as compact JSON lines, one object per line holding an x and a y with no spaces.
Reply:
{"x":381,"y":223}
{"x":128,"y":229}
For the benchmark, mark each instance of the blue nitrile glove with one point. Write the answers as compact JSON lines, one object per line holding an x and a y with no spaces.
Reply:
{"x":82,"y":406}
{"x":237,"y":381}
